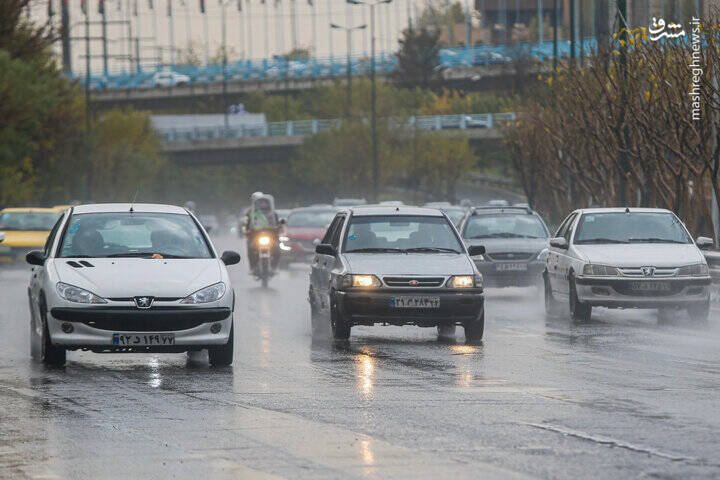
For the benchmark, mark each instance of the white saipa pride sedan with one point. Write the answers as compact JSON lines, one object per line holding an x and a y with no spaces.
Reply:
{"x":130,"y":278}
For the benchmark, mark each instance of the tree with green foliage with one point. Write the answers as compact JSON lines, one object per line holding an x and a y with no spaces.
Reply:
{"x":418,"y":60}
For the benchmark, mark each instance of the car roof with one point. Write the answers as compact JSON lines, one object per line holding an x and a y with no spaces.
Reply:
{"x":623,"y":210}
{"x":29,"y":210}
{"x":125,"y":207}
{"x":485,"y":210}
{"x":369,"y":210}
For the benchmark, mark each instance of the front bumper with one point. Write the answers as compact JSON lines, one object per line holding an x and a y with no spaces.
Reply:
{"x":371,"y":307}
{"x":93,"y":327}
{"x":493,"y":277}
{"x":619,"y":293}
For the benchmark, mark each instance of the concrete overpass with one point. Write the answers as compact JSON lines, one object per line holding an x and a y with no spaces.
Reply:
{"x":277,"y":141}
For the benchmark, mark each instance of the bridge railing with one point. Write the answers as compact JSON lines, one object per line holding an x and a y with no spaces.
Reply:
{"x":314,"y":67}
{"x":310,"y":127}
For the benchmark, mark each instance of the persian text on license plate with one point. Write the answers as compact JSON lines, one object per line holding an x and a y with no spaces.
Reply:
{"x":143,"y":340}
{"x":415,"y":302}
{"x":512,"y":267}
{"x":650,"y":286}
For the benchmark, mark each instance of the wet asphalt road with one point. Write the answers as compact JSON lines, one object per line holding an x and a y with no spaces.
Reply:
{"x":620,"y":397}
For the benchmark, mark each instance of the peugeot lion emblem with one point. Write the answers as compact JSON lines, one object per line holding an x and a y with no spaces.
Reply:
{"x":414,"y":283}
{"x":144,"y":302}
{"x":648,"y":271}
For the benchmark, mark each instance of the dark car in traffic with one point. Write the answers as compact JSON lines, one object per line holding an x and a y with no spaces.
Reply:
{"x":395,"y":266}
{"x":515,"y":240}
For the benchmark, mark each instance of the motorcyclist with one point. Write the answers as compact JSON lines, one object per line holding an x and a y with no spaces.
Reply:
{"x":261,"y":217}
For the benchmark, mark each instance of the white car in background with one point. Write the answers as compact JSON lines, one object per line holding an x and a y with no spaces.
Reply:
{"x":627,"y":258}
{"x":169,"y":79}
{"x":130,"y":278}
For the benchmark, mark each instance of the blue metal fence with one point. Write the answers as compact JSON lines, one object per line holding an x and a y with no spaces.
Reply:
{"x":278,"y":69}
{"x":308,"y":127}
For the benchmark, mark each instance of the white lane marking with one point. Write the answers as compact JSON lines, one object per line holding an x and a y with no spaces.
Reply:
{"x":617,"y":443}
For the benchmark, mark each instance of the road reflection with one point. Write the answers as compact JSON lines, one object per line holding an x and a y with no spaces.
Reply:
{"x":365,"y":369}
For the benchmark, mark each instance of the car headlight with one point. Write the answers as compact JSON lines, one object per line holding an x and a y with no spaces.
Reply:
{"x":697,"y":270}
{"x":600,"y":270}
{"x":362,"y":281}
{"x":264,"y":240}
{"x":463,"y":281}
{"x":75,"y":294}
{"x":206,"y":295}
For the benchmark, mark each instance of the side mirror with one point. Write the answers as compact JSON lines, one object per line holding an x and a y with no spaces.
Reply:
{"x":704,"y":243}
{"x":282,"y":221}
{"x":325,"y":249}
{"x":559,"y":242}
{"x":230,"y":258}
{"x":2,"y":236}
{"x":35,"y":257}
{"x":475,"y":250}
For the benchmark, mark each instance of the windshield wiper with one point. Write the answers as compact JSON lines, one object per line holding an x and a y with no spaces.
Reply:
{"x":431,"y":249}
{"x":654,"y":240}
{"x":500,"y":235}
{"x":143,"y":255}
{"x":600,"y":240}
{"x":375,"y":250}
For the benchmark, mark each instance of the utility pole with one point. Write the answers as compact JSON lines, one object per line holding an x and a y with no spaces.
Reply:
{"x":373,"y":97}
{"x":293,"y":26}
{"x":348,"y":31}
{"x":224,"y":63}
{"x":581,"y":37}
{"x":87,"y":97}
{"x":572,"y":33}
{"x":65,"y":34}
{"x":540,"y":22}
{"x":622,"y":13}
{"x":104,"y":38}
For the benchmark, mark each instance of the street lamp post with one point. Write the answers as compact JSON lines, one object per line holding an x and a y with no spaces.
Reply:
{"x":224,"y":63}
{"x":373,"y":94}
{"x":348,"y":31}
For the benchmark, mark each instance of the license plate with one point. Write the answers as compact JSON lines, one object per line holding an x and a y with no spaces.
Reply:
{"x":650,"y":287}
{"x":513,"y":267}
{"x":143,"y":340}
{"x":415,"y":302}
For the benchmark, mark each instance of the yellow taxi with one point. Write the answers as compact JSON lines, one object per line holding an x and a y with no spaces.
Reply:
{"x":25,"y":229}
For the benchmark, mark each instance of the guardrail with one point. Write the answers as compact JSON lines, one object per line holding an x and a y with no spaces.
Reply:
{"x":316,"y":67}
{"x":310,"y":127}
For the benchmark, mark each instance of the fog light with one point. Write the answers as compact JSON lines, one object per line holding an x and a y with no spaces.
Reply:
{"x":215,"y":328}
{"x":67,"y":327}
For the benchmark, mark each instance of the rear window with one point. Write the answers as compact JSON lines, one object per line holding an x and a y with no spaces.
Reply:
{"x":505,"y":226}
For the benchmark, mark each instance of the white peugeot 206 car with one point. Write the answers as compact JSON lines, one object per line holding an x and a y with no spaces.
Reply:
{"x":130,"y":278}
{"x":627,"y":258}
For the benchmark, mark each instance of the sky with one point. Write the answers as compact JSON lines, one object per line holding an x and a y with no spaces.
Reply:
{"x":258,"y":31}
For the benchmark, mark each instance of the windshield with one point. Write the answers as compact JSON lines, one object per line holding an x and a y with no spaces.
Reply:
{"x":631,"y":227}
{"x":311,"y":219}
{"x":505,"y":226}
{"x":35,"y":221}
{"x":401,"y":233}
{"x":133,"y":235}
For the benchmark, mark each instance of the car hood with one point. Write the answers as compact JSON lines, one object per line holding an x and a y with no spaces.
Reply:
{"x":130,"y":277}
{"x":497,"y":245}
{"x":305,"y":233}
{"x":410,"y":263}
{"x":641,"y":255}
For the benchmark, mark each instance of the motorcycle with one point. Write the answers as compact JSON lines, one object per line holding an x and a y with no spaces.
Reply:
{"x":265,"y":243}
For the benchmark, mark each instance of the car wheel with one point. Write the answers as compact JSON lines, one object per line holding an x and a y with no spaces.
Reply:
{"x":446,"y":331}
{"x":222,"y":355}
{"x":700,"y":312}
{"x":340,"y":327}
{"x":579,"y":311}
{"x":474,"y":331}
{"x":35,"y":339}
{"x":551,"y":305}
{"x":49,"y":353}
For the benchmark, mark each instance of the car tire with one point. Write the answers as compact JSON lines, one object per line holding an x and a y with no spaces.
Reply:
{"x":50,"y":354}
{"x":700,"y":312}
{"x":340,"y":327}
{"x":551,"y":305}
{"x":222,"y":355}
{"x":35,"y":339}
{"x":474,"y":331}
{"x":446,"y":331}
{"x":579,"y":311}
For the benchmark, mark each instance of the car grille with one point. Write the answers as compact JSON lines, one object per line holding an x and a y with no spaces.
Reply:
{"x":504,"y":256}
{"x":659,"y":272}
{"x":410,"y":281}
{"x":143,"y":325}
